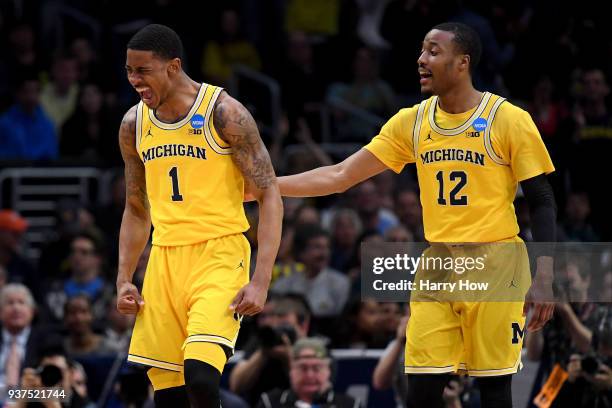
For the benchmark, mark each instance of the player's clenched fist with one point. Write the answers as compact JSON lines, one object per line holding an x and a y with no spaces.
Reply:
{"x":250,"y":300}
{"x":129,"y":300}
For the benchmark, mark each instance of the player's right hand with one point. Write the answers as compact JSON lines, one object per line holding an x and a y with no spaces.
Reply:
{"x":129,"y":300}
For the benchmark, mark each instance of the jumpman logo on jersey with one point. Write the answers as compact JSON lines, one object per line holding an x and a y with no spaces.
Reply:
{"x":429,"y":137}
{"x":149,"y":133}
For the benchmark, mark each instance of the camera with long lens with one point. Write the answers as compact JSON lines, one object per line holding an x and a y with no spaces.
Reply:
{"x":50,"y":375}
{"x":273,"y":336}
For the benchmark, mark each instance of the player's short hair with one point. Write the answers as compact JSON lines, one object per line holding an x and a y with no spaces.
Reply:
{"x":466,"y":39}
{"x":163,"y":41}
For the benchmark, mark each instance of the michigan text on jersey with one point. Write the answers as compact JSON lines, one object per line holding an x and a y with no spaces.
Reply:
{"x":167,"y":150}
{"x":452,"y":155}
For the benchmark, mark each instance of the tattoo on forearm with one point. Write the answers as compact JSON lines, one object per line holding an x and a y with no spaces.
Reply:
{"x":134,"y":168}
{"x":235,"y":124}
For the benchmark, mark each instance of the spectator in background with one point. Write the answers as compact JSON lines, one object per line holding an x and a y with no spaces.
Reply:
{"x":385,"y":183}
{"x":303,"y":84}
{"x":368,"y":204}
{"x":54,"y":355}
{"x":71,"y":217}
{"x":90,"y":69}
{"x":572,"y":326}
{"x":78,"y":320}
{"x":266,"y":362}
{"x":403,"y":25}
{"x":362,"y":321}
{"x":390,"y":368}
{"x":325,"y":289}
{"x":286,"y":264}
{"x":575,"y":225}
{"x":314,"y":17}
{"x":3,"y":276}
{"x":59,"y":97}
{"x":119,"y":328}
{"x":20,"y":57}
{"x":85,"y":134}
{"x":409,"y":212}
{"x":17,"y":267}
{"x":109,"y":215}
{"x":78,"y":380}
{"x":398,"y":234}
{"x":27,"y":132}
{"x":86,"y":277}
{"x":20,"y":343}
{"x":311,"y":382}
{"x":594,"y":136}
{"x":345,"y":229}
{"x":367,"y":91}
{"x":390,"y":315}
{"x":306,"y":214}
{"x":230,"y":49}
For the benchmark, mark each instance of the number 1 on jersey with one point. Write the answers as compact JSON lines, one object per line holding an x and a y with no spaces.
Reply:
{"x":176,"y":195}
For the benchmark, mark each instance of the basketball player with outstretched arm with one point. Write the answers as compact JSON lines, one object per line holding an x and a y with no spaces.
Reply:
{"x":471,"y":149}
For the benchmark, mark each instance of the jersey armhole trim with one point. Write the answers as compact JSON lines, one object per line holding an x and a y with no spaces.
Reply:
{"x":416,"y":130}
{"x":487,"y":135}
{"x":208,"y":130}
{"x":138,"y":135}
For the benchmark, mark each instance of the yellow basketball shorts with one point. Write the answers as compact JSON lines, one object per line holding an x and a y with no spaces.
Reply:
{"x":482,"y":338}
{"x":187,"y":293}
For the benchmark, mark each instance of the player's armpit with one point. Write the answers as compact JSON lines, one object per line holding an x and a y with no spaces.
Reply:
{"x":135,"y":182}
{"x":236,"y":126}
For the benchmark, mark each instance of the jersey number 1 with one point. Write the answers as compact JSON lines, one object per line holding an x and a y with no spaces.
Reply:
{"x":176,"y":195}
{"x":454,"y":197}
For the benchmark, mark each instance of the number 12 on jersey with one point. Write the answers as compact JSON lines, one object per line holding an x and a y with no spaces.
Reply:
{"x":454,"y":197}
{"x":176,"y":195}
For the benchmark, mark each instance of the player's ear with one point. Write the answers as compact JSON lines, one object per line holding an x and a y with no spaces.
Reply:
{"x":174,"y":66}
{"x":464,"y":62}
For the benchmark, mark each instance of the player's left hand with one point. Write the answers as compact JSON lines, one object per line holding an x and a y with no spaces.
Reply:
{"x":539,"y":298}
{"x":250,"y":299}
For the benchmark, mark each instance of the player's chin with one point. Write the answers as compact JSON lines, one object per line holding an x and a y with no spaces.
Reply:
{"x":426,"y":89}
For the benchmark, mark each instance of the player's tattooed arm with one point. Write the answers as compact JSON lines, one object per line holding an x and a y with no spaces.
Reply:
{"x":135,"y":184}
{"x":136,"y":221}
{"x":236,"y":126}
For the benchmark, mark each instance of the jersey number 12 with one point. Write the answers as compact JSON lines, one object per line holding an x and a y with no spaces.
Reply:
{"x":454,"y":197}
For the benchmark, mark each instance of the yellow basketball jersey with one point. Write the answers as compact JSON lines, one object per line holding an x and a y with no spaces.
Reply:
{"x":468,"y":165}
{"x":194,"y":188}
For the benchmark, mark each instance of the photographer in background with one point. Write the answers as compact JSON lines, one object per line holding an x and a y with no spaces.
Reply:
{"x":54,"y":370}
{"x":311,"y":380}
{"x":266,"y":363}
{"x":589,"y":382}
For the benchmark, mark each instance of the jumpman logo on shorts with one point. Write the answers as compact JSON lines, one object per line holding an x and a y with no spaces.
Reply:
{"x":240,"y":265}
{"x":512,"y":284}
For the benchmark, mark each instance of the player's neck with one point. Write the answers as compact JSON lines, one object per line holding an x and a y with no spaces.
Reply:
{"x":178,"y":103}
{"x":460,"y":99}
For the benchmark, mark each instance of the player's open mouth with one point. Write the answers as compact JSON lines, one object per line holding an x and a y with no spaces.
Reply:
{"x":146,"y":95}
{"x":425,"y":76}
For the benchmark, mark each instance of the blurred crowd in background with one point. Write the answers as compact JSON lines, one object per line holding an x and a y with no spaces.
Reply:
{"x":63,"y":91}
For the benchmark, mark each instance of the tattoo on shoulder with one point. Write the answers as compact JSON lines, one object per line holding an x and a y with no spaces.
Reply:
{"x":235,"y":125}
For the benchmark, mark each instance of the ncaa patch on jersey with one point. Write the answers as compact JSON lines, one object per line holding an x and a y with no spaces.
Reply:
{"x":479,"y":124}
{"x":197,"y":121}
